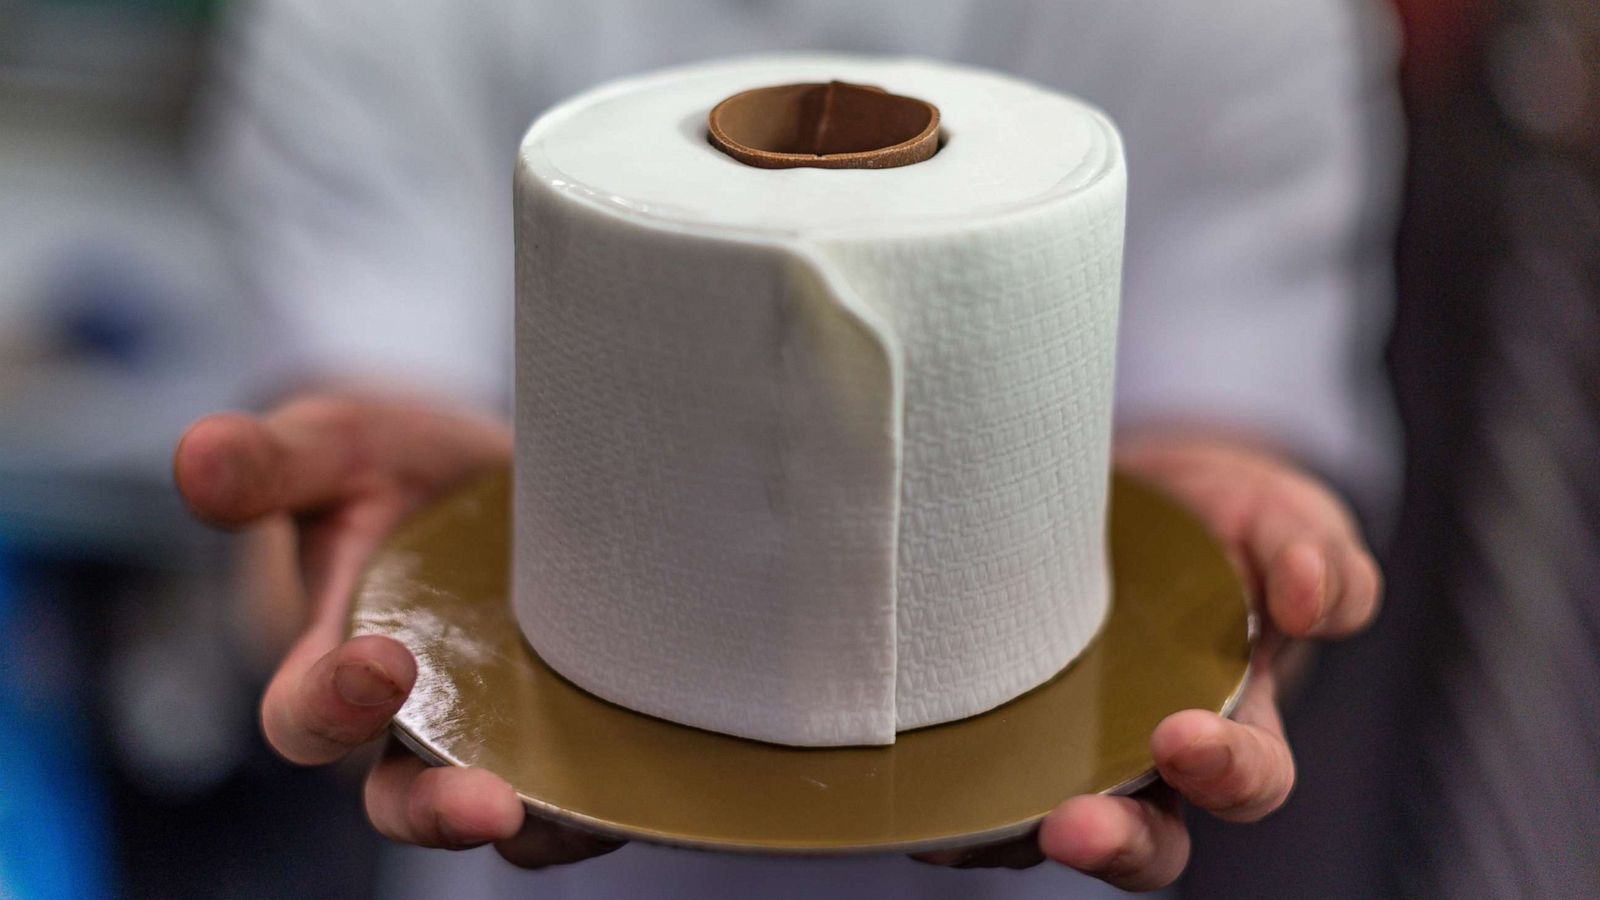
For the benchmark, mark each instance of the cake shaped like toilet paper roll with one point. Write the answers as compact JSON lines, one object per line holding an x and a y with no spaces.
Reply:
{"x":814,"y":455}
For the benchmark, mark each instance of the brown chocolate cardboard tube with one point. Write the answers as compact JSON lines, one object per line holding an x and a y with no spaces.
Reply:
{"x":826,"y":126}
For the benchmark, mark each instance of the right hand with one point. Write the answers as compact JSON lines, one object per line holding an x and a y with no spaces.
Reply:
{"x":348,"y":471}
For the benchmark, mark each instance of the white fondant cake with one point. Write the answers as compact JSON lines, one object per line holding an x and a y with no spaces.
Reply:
{"x":812,"y":456}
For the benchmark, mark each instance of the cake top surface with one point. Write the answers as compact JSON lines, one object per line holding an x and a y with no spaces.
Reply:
{"x":640,"y":146}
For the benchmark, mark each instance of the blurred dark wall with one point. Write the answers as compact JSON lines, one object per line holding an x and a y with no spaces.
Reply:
{"x":1454,"y":751}
{"x":129,"y":759}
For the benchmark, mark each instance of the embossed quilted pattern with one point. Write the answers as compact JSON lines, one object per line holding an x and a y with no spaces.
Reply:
{"x":813,"y":488}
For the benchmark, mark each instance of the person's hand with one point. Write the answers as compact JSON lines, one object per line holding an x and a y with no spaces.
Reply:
{"x":348,"y":471}
{"x":1311,"y":576}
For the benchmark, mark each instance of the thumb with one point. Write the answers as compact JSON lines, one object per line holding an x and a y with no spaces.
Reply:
{"x":233,"y":469}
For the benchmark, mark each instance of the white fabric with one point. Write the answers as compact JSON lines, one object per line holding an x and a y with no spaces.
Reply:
{"x":811,"y":455}
{"x":364,"y":150}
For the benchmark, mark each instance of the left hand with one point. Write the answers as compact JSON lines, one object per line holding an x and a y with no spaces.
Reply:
{"x":1312,"y":577}
{"x":348,"y":467}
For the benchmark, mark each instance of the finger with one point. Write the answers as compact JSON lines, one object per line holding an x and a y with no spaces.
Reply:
{"x":1306,"y":556}
{"x":1137,"y":844}
{"x":1016,"y":853}
{"x":1294,"y":587}
{"x":444,"y":807}
{"x":234,"y":469}
{"x":542,"y":843}
{"x":1238,"y":771}
{"x":1354,"y":591}
{"x":1322,"y":588}
{"x":334,"y":551}
{"x":317,"y":709}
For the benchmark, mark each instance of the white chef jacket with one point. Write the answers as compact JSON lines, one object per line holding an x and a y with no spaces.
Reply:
{"x":362,"y":152}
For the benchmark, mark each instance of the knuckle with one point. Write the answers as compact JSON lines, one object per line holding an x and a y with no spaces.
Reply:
{"x":1363,"y":591}
{"x":384,"y":797}
{"x":446,"y":832}
{"x":335,"y":735}
{"x":1124,"y":861}
{"x":422,"y":810}
{"x":387,"y":830}
{"x":301,"y":735}
{"x":304,"y":749}
{"x":279,"y":731}
{"x":379,"y":818}
{"x":1237,"y":791}
{"x":1269,"y":801}
{"x":1256,"y":795}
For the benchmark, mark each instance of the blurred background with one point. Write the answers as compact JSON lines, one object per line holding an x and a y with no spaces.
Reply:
{"x":130,"y":663}
{"x":130,"y":764}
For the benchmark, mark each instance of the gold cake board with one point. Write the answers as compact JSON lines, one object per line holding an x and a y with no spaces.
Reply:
{"x":1178,"y":637}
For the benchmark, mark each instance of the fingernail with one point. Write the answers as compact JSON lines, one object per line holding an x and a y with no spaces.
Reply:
{"x":1325,"y":596}
{"x":364,"y":684}
{"x":1203,"y":760}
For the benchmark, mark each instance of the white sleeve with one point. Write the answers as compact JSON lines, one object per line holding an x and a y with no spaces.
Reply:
{"x":1263,"y":166}
{"x":352,"y":151}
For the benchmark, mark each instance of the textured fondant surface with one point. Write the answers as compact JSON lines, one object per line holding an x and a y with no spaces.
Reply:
{"x":812,"y":456}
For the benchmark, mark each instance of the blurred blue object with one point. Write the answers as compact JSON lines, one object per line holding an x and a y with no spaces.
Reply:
{"x":52,"y":824}
{"x":107,"y":307}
